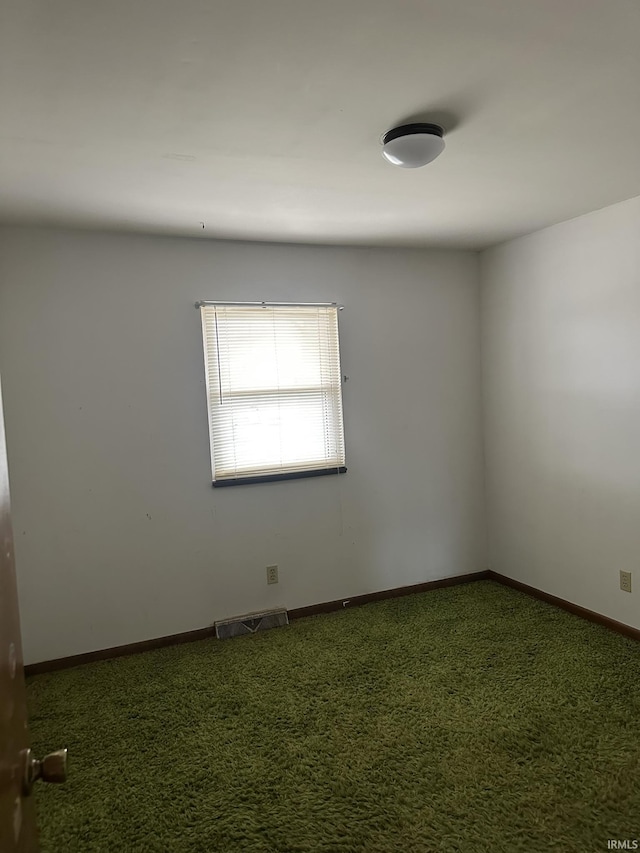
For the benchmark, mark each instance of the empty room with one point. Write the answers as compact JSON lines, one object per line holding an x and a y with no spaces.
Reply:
{"x":320,"y":426}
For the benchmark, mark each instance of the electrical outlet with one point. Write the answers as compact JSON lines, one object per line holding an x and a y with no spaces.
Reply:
{"x":272,"y":574}
{"x":625,"y":581}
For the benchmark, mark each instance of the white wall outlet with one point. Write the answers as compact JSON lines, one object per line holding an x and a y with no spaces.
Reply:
{"x":625,"y":581}
{"x":272,"y":574}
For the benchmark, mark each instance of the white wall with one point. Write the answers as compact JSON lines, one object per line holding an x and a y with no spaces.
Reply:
{"x":561,"y":380}
{"x":119,"y":534}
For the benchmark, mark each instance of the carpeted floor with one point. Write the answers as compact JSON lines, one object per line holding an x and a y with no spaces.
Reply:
{"x":468,"y":719}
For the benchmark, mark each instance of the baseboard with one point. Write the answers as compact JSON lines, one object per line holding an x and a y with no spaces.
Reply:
{"x":203,"y":633}
{"x":118,"y":651}
{"x":398,"y":592}
{"x":591,"y":615}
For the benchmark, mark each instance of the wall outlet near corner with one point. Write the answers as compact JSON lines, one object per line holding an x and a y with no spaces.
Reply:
{"x":272,"y":574}
{"x":625,"y":581}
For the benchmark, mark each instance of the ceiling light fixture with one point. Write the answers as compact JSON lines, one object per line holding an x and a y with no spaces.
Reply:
{"x":413,"y":145}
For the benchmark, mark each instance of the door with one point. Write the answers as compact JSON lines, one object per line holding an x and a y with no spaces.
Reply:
{"x":17,"y":816}
{"x":18,"y":769}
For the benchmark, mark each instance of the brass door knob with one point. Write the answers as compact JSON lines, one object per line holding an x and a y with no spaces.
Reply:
{"x":52,"y":768}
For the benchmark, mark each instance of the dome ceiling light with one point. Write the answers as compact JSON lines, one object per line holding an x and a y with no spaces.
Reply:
{"x":413,"y":145}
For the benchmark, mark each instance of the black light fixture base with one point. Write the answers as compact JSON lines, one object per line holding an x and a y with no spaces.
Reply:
{"x":409,"y":129}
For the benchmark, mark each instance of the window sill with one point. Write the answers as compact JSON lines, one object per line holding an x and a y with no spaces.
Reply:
{"x":275,"y":478}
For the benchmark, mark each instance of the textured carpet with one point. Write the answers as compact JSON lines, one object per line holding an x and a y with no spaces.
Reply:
{"x":466,"y":719}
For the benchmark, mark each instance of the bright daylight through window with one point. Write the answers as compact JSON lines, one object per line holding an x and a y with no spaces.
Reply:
{"x":274,"y":391}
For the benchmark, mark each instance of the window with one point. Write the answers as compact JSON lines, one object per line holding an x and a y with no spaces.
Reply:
{"x":274,"y":389}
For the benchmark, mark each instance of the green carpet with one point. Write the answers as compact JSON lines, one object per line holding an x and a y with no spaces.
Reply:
{"x":466,"y":719}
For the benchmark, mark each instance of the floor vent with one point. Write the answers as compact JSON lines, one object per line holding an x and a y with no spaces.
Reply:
{"x":250,"y":624}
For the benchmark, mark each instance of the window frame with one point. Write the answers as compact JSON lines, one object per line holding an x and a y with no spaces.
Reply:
{"x":276,"y":393}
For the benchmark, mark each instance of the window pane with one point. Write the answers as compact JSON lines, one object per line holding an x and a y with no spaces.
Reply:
{"x":274,"y":389}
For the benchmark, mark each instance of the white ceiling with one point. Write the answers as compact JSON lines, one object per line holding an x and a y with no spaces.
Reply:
{"x":262,"y":118}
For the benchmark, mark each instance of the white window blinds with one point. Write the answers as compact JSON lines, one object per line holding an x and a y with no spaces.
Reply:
{"x":274,"y":391}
